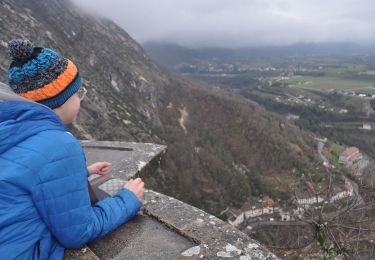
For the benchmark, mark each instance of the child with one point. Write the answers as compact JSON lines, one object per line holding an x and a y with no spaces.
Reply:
{"x":44,"y":199}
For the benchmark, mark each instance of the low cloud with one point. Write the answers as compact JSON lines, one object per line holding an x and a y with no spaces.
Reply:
{"x":241,"y":23}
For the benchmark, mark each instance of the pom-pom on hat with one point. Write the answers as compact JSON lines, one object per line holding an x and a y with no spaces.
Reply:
{"x":40,"y":74}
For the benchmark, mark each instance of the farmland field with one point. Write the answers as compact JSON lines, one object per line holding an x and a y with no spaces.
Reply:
{"x":367,"y":86}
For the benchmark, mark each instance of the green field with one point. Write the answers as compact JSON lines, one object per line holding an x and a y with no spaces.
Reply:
{"x":332,"y":151}
{"x":345,"y":70}
{"x":365,"y":86}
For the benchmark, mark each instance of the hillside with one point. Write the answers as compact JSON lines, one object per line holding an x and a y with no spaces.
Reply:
{"x":223,"y":149}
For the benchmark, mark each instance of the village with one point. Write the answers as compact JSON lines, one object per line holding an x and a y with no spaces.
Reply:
{"x":351,"y":160}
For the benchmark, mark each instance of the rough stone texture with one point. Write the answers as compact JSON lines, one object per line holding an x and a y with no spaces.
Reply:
{"x":141,"y":238}
{"x":166,"y":228}
{"x":128,"y":159}
{"x":84,"y":253}
{"x":215,"y":237}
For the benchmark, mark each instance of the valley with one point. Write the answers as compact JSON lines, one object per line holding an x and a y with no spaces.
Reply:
{"x":332,"y":97}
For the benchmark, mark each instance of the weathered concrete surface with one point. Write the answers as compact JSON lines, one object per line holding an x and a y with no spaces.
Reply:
{"x":216,"y":239}
{"x":128,"y":159}
{"x":166,"y":228}
{"x":84,"y":253}
{"x":141,"y":238}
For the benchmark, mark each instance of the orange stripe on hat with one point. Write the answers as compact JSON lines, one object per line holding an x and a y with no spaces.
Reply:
{"x":55,"y":87}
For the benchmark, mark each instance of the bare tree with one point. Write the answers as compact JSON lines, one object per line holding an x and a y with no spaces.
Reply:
{"x":344,"y":228}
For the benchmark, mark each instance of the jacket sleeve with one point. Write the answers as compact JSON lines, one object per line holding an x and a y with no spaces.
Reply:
{"x":63,"y":202}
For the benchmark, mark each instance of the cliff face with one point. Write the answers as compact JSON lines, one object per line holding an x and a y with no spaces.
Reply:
{"x":124,"y":86}
{"x":223,"y":149}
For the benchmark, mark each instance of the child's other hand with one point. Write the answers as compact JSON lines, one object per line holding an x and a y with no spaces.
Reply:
{"x":101,"y":168}
{"x":136,"y":186}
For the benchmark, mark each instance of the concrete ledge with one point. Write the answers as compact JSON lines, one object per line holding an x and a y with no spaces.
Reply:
{"x":171,"y":229}
{"x":166,"y":228}
{"x":128,"y":159}
{"x":214,"y":237}
{"x":141,"y":238}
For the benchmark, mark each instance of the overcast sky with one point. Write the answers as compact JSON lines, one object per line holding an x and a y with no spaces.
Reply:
{"x":241,"y":23}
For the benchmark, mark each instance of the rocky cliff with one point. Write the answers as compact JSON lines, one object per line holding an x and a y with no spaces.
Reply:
{"x":223,"y":150}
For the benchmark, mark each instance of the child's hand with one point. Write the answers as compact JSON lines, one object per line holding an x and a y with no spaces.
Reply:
{"x":136,"y":186}
{"x":101,"y":168}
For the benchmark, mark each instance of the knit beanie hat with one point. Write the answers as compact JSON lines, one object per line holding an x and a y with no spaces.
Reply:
{"x":40,"y":74}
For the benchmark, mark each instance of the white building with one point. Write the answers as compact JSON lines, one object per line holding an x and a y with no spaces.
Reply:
{"x":238,"y":220}
{"x":367,"y":127}
{"x":310,"y":201}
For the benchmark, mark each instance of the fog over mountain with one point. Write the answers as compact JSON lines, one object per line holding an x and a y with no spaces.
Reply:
{"x":241,"y":23}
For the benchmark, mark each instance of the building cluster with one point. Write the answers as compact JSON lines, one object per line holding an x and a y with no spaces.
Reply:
{"x":269,"y":208}
{"x":237,"y":217}
{"x":348,"y":192}
{"x":353,"y":160}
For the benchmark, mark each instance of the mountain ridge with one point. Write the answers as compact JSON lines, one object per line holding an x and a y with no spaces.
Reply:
{"x":171,"y":55}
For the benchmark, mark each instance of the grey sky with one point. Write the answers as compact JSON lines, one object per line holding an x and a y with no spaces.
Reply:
{"x":241,"y":23}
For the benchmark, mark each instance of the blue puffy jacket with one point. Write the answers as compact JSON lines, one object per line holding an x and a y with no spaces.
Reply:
{"x":44,"y":200}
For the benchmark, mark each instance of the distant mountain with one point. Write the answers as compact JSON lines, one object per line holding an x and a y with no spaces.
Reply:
{"x":223,"y":149}
{"x":171,"y":55}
